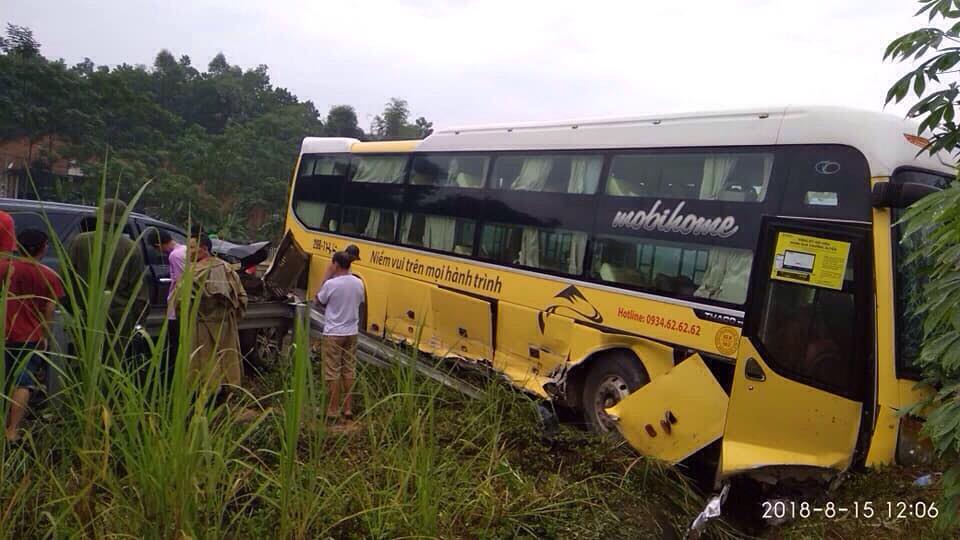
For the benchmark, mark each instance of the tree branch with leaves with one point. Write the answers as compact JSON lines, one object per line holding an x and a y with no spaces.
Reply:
{"x":935,"y":222}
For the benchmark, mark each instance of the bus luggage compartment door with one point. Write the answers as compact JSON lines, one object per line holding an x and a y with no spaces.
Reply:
{"x":463,"y":325}
{"x":803,"y":386}
{"x":674,"y":415}
{"x":409,"y":317}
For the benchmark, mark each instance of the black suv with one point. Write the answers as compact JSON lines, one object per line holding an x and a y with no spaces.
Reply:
{"x":69,"y":219}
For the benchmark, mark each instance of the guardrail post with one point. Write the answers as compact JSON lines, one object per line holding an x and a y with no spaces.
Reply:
{"x":302,"y":315}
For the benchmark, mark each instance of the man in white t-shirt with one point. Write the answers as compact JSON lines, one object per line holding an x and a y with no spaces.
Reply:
{"x":341,"y":296}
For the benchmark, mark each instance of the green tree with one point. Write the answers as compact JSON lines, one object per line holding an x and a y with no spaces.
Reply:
{"x":424,"y":128}
{"x":341,"y":121}
{"x":39,"y":98}
{"x":936,"y":221}
{"x":217,"y":146}
{"x":19,"y":41}
{"x":393,"y":123}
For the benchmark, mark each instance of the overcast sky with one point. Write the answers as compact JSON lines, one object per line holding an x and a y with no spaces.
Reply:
{"x":469,"y":62}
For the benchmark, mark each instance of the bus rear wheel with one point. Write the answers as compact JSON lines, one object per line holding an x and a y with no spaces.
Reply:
{"x":610,"y":379}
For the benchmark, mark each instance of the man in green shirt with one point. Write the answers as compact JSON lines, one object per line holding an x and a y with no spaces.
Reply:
{"x":125,"y":270}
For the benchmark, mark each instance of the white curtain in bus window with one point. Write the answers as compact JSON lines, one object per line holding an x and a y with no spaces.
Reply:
{"x":380,"y":170}
{"x":438,"y":232}
{"x":553,"y":173}
{"x":716,"y":171}
{"x":373,"y":225}
{"x":727,"y":276}
{"x":533,"y":174}
{"x":529,"y":248}
{"x":578,"y":248}
{"x":329,"y":167}
{"x":381,"y":225}
{"x":584,"y":174}
{"x":316,"y":215}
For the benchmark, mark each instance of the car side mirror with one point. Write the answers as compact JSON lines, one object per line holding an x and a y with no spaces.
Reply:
{"x":899,"y":194}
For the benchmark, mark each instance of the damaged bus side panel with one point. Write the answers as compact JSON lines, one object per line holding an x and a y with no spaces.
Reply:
{"x":802,"y":395}
{"x":674,"y":415}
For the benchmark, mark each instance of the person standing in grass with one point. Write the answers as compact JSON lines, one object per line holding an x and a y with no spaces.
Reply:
{"x":222,"y":302}
{"x":341,"y":296}
{"x":176,"y":255}
{"x":33,"y":291}
{"x":124,"y":277}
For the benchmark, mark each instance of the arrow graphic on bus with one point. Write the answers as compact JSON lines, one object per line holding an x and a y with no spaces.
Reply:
{"x":575,"y":300}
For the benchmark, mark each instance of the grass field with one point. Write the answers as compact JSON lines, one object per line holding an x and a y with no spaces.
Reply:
{"x":423,"y":461}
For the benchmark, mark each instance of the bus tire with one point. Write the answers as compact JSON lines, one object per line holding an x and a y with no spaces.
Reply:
{"x":612,"y":377}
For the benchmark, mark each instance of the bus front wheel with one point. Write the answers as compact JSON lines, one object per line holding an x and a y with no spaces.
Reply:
{"x":611,"y":378}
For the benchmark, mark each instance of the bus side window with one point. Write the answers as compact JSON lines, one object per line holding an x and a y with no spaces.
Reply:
{"x":378,"y":170}
{"x":317,"y":185}
{"x":371,"y":223}
{"x":720,"y":176}
{"x":548,"y":173}
{"x":549,"y":249}
{"x":692,"y":270}
{"x":443,"y":233}
{"x":462,"y":171}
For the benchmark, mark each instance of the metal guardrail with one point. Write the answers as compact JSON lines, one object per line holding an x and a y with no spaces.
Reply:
{"x":374,"y":351}
{"x":269,"y":315}
{"x":258,"y":315}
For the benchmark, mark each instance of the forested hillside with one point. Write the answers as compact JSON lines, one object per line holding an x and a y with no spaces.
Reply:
{"x":217,"y":145}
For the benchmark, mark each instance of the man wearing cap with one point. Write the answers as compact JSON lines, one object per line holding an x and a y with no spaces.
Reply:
{"x":125,"y":270}
{"x":33,"y":291}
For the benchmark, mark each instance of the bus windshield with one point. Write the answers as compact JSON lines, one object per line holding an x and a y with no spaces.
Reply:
{"x":912,"y":272}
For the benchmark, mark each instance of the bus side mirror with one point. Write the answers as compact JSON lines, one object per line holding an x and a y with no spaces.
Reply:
{"x":899,"y":195}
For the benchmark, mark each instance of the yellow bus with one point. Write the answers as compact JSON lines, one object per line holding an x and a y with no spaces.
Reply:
{"x":726,"y":285}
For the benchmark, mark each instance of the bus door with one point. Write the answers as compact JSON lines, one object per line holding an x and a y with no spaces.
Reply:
{"x":804,"y":384}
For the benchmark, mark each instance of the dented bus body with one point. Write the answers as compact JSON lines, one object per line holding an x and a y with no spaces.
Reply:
{"x":729,"y":285}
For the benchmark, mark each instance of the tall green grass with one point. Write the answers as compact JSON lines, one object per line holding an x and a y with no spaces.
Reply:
{"x":123,"y":452}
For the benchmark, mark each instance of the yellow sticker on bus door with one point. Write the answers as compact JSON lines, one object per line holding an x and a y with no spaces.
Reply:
{"x":810,"y":260}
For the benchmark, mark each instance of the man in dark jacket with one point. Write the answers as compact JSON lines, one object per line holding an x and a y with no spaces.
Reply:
{"x":124,"y":272}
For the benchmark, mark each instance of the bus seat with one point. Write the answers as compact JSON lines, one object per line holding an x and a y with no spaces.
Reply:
{"x":618,"y":187}
{"x":468,"y":180}
{"x":732,"y":192}
{"x":461,"y":249}
{"x":736,"y":193}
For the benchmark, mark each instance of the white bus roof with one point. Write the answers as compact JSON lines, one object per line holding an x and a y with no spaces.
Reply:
{"x":885,"y":139}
